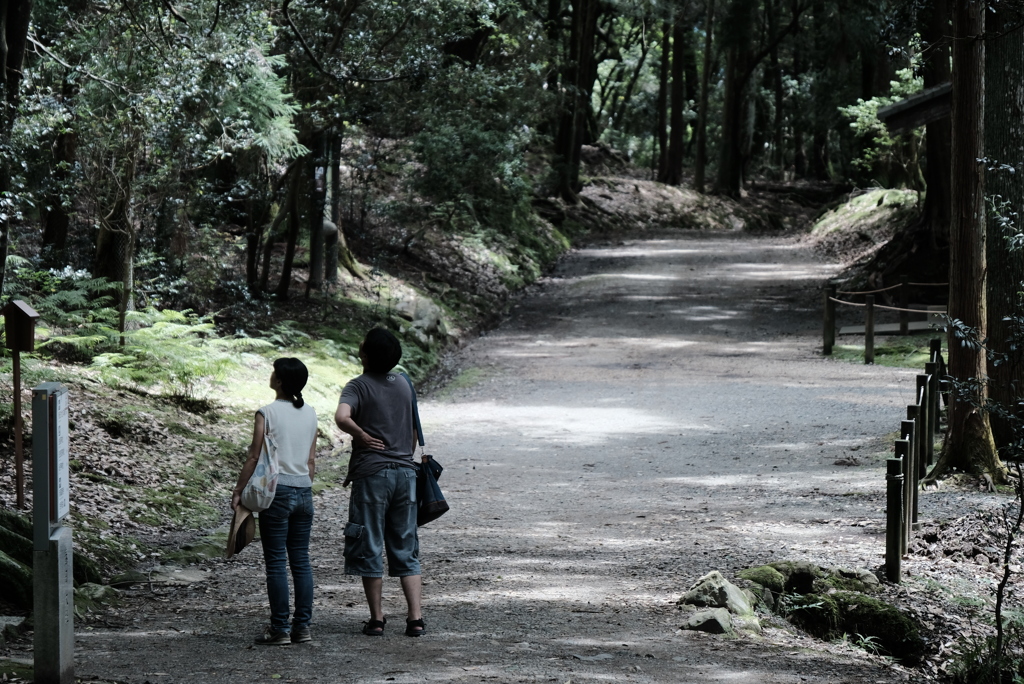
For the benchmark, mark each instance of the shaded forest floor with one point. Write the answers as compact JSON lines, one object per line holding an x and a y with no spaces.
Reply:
{"x":654,"y":409}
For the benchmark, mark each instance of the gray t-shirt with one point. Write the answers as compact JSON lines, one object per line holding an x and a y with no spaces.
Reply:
{"x":382,"y":406}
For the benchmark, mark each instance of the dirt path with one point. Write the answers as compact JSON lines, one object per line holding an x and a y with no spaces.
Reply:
{"x":653,"y":411}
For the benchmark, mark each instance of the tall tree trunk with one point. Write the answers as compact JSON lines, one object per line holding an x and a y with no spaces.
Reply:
{"x":776,"y":85}
{"x":577,"y":84}
{"x":674,"y":175}
{"x":1004,"y":145}
{"x":799,"y":154}
{"x":14,"y":21}
{"x":54,"y":216}
{"x":283,"y":213}
{"x":701,"y":155}
{"x":935,"y":34}
{"x":317,"y":201}
{"x":294,"y":220}
{"x":663,"y":86}
{"x":553,"y":31}
{"x":692,"y":90}
{"x":730,"y":162}
{"x":823,"y":53}
{"x":968,"y":445}
{"x":619,"y":110}
{"x":344,"y":255}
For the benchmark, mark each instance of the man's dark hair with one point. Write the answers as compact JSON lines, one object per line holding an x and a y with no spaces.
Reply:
{"x":382,"y":350}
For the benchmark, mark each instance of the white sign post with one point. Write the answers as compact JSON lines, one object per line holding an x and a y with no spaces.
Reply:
{"x":53,"y":581}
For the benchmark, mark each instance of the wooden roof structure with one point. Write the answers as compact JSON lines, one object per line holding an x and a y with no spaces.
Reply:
{"x":925,"y":107}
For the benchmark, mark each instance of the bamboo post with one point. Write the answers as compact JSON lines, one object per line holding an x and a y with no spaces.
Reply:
{"x":19,"y":456}
{"x":869,"y":329}
{"x":893,"y":518}
{"x":932,"y":369}
{"x":924,"y":418}
{"x":830,"y":320}
{"x":904,"y":305}
{"x":903,"y":455}
{"x":908,"y":429}
{"x":914,"y":414}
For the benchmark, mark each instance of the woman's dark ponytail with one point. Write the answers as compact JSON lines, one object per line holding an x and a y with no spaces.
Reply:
{"x":293,"y":375}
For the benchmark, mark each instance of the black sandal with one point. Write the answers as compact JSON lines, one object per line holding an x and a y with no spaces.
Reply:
{"x":414,"y":628}
{"x":374,"y":627}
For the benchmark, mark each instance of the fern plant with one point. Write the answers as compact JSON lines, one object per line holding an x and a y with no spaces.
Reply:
{"x":77,"y":317}
{"x":176,"y":353}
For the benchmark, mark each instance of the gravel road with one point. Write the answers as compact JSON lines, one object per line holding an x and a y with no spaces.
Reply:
{"x":654,"y":410}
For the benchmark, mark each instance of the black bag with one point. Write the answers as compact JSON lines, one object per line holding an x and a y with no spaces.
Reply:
{"x":429,"y":497}
{"x":431,"y":500}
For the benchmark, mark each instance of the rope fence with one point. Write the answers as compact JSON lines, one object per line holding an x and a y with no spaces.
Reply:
{"x":883,"y":306}
{"x":915,"y":451}
{"x":904,"y":310}
{"x":891,"y":287}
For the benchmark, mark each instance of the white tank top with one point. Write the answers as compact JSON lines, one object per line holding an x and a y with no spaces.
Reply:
{"x":293,"y":431}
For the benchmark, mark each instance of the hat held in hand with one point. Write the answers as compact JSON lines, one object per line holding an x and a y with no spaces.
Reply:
{"x":243,"y":529}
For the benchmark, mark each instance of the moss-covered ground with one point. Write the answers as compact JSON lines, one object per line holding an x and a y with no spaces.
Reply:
{"x":899,"y":352}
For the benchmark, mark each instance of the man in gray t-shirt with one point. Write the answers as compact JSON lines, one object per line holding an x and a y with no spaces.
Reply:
{"x":376,"y":408}
{"x":381,"y":405}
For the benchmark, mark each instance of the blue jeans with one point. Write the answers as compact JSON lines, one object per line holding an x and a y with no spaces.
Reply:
{"x":382,"y":517}
{"x":284,"y":529}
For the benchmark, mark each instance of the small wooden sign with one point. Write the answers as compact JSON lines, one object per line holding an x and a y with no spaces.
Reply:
{"x":20,"y":326}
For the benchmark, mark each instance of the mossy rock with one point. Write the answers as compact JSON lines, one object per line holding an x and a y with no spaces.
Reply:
{"x":15,"y":582}
{"x":208,"y":547}
{"x":22,"y":550}
{"x":850,"y":579}
{"x":127,"y":579}
{"x":18,"y":547}
{"x":85,"y":569}
{"x":799,"y":575}
{"x":849,"y":612}
{"x":19,"y":523}
{"x":91,"y":596}
{"x":765,"y":575}
{"x":13,"y":671}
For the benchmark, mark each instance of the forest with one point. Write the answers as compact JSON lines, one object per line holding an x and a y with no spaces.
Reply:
{"x":223,"y":158}
{"x":188,"y":187}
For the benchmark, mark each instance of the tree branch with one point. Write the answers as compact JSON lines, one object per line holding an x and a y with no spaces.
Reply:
{"x":316,"y":62}
{"x":176,"y":14}
{"x":109,"y":85}
{"x":774,"y":43}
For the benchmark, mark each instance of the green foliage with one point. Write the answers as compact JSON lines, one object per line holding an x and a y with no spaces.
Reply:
{"x":287,"y":334}
{"x":894,"y":162}
{"x":898,"y":352}
{"x":766,"y":576}
{"x":976,"y":662}
{"x":179,"y":353}
{"x":76,"y":313}
{"x":864,"y":643}
{"x":472,"y":150}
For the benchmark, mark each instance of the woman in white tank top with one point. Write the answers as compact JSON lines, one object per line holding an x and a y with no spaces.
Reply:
{"x":285,"y":526}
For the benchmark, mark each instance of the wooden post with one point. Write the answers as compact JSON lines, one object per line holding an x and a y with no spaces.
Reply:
{"x":893,"y":518}
{"x":904,"y":305}
{"x":830,"y":320}
{"x":908,"y":429}
{"x":869,"y":329}
{"x":932,"y":370}
{"x":934,"y":350}
{"x":914,"y":414}
{"x":19,"y":330}
{"x":19,"y":456}
{"x":924,"y":417}
{"x":903,"y":455}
